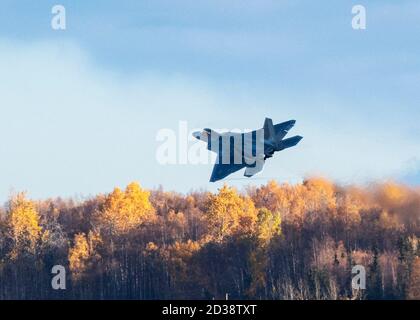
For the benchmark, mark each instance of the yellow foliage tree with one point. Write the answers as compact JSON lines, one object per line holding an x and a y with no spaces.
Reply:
{"x":269,"y":225}
{"x":24,"y":224}
{"x":349,"y":205}
{"x":83,"y":253}
{"x":126,"y":210}
{"x":79,"y":254}
{"x":229,"y":213}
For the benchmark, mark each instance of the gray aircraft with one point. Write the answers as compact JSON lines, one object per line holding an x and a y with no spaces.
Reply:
{"x":246,"y":150}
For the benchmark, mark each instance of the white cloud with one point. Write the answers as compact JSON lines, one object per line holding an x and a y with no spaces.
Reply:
{"x":69,"y":126}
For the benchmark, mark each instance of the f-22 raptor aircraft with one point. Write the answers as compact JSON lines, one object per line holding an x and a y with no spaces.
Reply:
{"x":246,"y":150}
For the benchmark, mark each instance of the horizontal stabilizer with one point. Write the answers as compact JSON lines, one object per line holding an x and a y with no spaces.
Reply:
{"x":290,"y":142}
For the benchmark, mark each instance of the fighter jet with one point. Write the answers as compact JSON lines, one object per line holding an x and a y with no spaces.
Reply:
{"x":249,"y":150}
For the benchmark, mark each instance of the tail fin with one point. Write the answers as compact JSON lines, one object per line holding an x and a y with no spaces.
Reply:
{"x":290,"y":142}
{"x":269,"y":132}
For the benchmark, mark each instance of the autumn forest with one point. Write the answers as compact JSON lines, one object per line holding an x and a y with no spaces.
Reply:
{"x":275,"y":241}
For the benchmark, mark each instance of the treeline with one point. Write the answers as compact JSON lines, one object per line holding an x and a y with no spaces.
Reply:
{"x":269,"y":242}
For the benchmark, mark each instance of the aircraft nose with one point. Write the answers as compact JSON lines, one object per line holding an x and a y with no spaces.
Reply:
{"x":197,"y":135}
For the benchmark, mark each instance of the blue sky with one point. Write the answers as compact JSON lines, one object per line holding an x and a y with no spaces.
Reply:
{"x":80,"y":108}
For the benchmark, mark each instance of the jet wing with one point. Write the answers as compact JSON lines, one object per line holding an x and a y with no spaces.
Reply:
{"x":283,"y":128}
{"x":221,"y":171}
